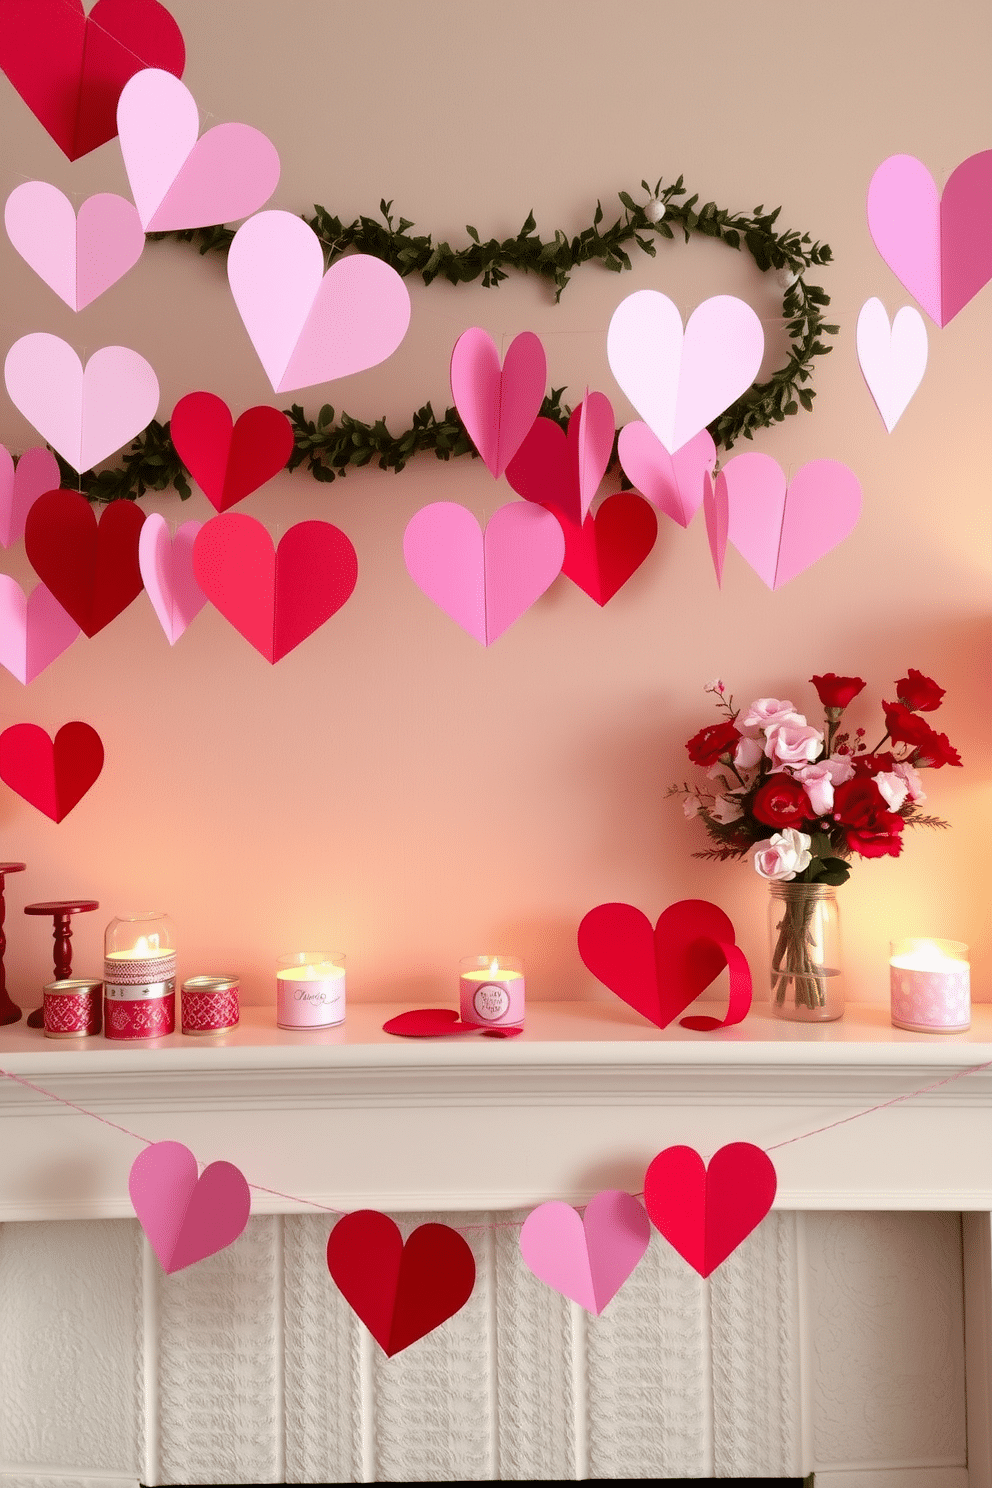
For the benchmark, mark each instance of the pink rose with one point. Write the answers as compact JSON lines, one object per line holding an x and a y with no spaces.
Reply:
{"x":783,"y":856}
{"x":893,"y":788}
{"x":748,"y":753}
{"x":764,"y":713}
{"x":913,"y":779}
{"x":792,"y":744}
{"x":818,"y":783}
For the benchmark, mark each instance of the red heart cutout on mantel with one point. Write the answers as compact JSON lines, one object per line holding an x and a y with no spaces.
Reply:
{"x":70,"y":67}
{"x":705,"y":1213}
{"x":660,"y":971}
{"x":53,"y":775}
{"x":400,"y":1292}
{"x":229,"y":460}
{"x":610,"y":546}
{"x":274,"y":597}
{"x":438,"y":1023}
{"x":90,"y":566}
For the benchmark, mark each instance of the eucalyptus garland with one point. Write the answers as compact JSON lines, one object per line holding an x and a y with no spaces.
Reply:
{"x":329,"y":444}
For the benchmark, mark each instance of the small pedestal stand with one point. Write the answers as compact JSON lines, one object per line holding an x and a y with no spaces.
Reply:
{"x":9,"y":1011}
{"x":62,"y":911}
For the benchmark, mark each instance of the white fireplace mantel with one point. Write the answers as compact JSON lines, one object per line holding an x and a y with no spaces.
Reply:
{"x":583,"y":1100}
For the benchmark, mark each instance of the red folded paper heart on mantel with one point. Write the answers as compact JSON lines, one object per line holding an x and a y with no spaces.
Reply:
{"x":705,"y":1213}
{"x":229,"y":460}
{"x":660,"y":971}
{"x":438,"y":1023}
{"x":400,"y":1292}
{"x":51,"y":774}
{"x":90,"y":566}
{"x":610,"y":545}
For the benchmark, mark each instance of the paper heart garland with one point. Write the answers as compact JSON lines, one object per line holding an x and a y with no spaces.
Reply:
{"x":497,"y":405}
{"x":939,"y":247}
{"x":33,"y":631}
{"x":177,"y":180}
{"x":893,"y":359}
{"x":87,"y":415}
{"x":483,"y":581}
{"x":308,"y":326}
{"x":187,"y":1215}
{"x":51,"y":774}
{"x":608,"y":548}
{"x":563,"y":471}
{"x":91,"y":567}
{"x":275,"y":597}
{"x":659,"y":971}
{"x":78,"y":257}
{"x":36,"y":471}
{"x":229,"y":460}
{"x":672,"y":483}
{"x":166,"y":565}
{"x":70,"y":68}
{"x":679,"y":382}
{"x":400,"y":1291}
{"x":706,"y":1212}
{"x":781,"y":530}
{"x":587,"y":1259}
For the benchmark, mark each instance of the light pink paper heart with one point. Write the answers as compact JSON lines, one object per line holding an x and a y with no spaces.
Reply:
{"x":673,"y":483}
{"x":940,"y":248}
{"x":680,"y":382}
{"x":498,"y":406}
{"x":166,"y":565}
{"x":780,"y":531}
{"x":37,"y":471}
{"x":586,"y":1259}
{"x":308,"y":326}
{"x":186,"y":1217}
{"x":77,"y":257}
{"x":595,"y":445}
{"x":484,"y":582}
{"x":33,"y":631}
{"x":177,"y":180}
{"x":716,"y":513}
{"x":87,"y":415}
{"x":893,"y":359}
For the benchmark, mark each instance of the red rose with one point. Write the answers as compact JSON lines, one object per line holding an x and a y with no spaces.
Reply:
{"x":837,"y":692}
{"x":870,"y":828}
{"x":903,"y":726}
{"x":713,"y":742}
{"x":875,"y":844}
{"x":938,"y":750}
{"x":920,"y":694}
{"x":873,"y":764}
{"x":781,"y":802}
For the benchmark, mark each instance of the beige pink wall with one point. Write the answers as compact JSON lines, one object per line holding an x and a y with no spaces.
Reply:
{"x":391,"y":788}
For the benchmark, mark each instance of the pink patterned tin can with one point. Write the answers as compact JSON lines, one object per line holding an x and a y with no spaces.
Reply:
{"x":72,"y":1008}
{"x":135,"y":1007}
{"x":210,"y":1004}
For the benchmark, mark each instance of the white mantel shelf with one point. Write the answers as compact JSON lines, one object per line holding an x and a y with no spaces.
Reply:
{"x":353,"y":1117}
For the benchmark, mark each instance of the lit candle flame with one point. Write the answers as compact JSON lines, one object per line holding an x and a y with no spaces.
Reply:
{"x":494,"y":967}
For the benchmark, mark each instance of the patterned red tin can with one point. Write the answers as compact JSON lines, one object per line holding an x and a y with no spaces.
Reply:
{"x":72,"y":1008}
{"x":139,"y":997}
{"x":210,"y":1004}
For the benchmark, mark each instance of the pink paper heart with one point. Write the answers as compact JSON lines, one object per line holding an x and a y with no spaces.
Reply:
{"x":308,"y":326}
{"x":33,"y":631}
{"x":178,"y":181}
{"x":483,"y":582}
{"x":679,"y":382}
{"x":940,"y":248}
{"x":587,"y":1259}
{"x":77,"y":257}
{"x":673,"y":483}
{"x":780,"y":531}
{"x":893,"y":358}
{"x":187,"y":1217}
{"x":498,"y":406}
{"x":87,"y":415}
{"x":166,"y":565}
{"x":37,"y":471}
{"x":715,"y":510}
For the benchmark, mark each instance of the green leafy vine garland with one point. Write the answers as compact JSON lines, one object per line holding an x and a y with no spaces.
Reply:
{"x":329,"y":445}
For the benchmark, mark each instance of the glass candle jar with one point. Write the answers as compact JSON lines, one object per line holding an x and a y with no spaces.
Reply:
{"x":310,"y":989}
{"x":930,"y":985}
{"x":491,"y":991}
{"x":139,"y":976}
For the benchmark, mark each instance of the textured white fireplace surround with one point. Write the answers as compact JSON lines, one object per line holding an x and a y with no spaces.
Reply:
{"x":832,"y":1340}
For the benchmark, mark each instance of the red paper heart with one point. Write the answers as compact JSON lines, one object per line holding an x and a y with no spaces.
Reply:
{"x":602,"y":554}
{"x":703,"y":1212}
{"x":400,"y":1292}
{"x":91,"y":567}
{"x":229,"y":460}
{"x":545,"y":468}
{"x":70,"y":68}
{"x":275,"y":598}
{"x":438,"y":1023}
{"x":660,"y":972}
{"x":52,"y":775}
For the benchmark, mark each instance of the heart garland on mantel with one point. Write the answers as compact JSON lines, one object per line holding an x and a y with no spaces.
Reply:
{"x":187,"y":1215}
{"x":707,"y":1212}
{"x":90,"y":566}
{"x":589,"y":1257}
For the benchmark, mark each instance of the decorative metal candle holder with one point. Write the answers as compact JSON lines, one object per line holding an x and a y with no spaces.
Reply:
{"x":139,"y":977}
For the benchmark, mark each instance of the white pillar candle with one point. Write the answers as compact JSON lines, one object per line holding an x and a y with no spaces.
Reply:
{"x":310,"y":990}
{"x":930,"y":985}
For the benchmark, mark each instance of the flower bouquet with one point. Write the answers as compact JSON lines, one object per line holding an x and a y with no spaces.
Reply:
{"x":824,"y":794}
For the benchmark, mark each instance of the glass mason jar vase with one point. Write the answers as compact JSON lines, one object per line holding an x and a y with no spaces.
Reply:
{"x":804,"y":947}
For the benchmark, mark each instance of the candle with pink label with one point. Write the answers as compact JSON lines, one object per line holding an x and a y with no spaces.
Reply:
{"x":491,"y":990}
{"x":310,"y":989}
{"x":930,"y":983}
